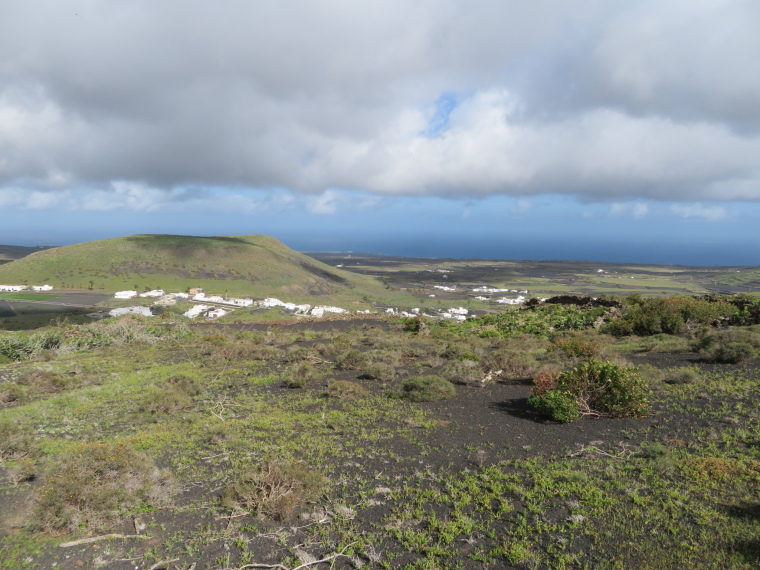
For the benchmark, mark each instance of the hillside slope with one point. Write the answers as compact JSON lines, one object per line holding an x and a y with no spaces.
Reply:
{"x":11,"y":252}
{"x":250,"y":265}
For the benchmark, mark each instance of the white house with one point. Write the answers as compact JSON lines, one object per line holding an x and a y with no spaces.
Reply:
{"x":42,"y":287}
{"x":482,"y":298}
{"x":215,"y":299}
{"x":216,"y":313}
{"x":12,"y":288}
{"x":154,"y":293}
{"x":195,"y":310}
{"x":199,"y":296}
{"x":505,"y":301}
{"x":240,"y":302}
{"x":125,"y":294}
{"x":144,"y":311}
{"x":459,"y":311}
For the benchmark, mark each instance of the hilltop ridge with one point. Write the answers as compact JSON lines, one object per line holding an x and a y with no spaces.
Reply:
{"x":254,"y":265}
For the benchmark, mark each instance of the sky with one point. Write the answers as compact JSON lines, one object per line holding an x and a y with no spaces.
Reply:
{"x":610,"y":130}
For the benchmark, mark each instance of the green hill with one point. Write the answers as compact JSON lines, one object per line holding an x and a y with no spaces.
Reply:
{"x":252,"y":265}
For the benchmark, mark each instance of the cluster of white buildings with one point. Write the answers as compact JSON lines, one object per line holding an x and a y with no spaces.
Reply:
{"x":507,"y":301}
{"x":485,"y":289}
{"x":318,"y":311}
{"x":457,"y":314}
{"x":201,"y":296}
{"x":445,"y":288}
{"x":17,"y":288}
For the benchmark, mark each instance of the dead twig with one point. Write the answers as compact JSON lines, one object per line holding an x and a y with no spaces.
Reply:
{"x":162,"y":564}
{"x":304,"y":565}
{"x":98,"y":539}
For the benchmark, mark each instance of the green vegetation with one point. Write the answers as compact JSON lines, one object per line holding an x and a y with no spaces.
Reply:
{"x":186,"y":444}
{"x":254,"y":265}
{"x":427,"y":389}
{"x":592,"y":388}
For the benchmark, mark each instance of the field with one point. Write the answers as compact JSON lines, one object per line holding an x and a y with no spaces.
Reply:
{"x":322,"y":445}
{"x":547,"y":278}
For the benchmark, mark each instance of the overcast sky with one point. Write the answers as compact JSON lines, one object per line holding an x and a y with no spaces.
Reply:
{"x":597,"y":128}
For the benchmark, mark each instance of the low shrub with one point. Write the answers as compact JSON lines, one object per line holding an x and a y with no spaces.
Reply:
{"x":352,"y":360}
{"x":730,"y":346}
{"x":379,"y":371}
{"x":559,"y":405}
{"x":162,"y":400}
{"x":462,"y":351}
{"x":575,"y":347}
{"x":598,"y":388}
{"x":300,"y":375}
{"x":513,"y":363}
{"x":463,"y":372}
{"x":190,"y":385}
{"x":40,"y":381}
{"x":671,"y":315}
{"x":95,"y":487}
{"x":274,"y":490}
{"x":16,"y":441}
{"x":345,"y":390}
{"x":682,"y":376}
{"x":427,"y":389}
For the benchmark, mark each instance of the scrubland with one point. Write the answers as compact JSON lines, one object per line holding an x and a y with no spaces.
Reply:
{"x":615,"y":435}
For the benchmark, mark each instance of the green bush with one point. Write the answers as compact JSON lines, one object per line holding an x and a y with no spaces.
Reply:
{"x":730,"y":346}
{"x":670,"y":315}
{"x":556,"y":404}
{"x":427,"y":389}
{"x":599,"y":389}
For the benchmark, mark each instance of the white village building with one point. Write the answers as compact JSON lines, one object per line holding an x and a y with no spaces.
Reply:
{"x":144,"y":311}
{"x":505,"y":301}
{"x":195,"y":310}
{"x":125,"y":294}
{"x":154,"y":293}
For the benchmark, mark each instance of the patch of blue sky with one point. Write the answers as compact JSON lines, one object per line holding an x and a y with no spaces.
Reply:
{"x":497,"y":227}
{"x":441,"y":111}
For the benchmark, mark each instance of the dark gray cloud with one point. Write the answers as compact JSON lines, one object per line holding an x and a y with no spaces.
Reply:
{"x":604,"y":99}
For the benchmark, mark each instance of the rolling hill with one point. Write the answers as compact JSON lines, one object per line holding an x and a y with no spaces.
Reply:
{"x":249,"y":265}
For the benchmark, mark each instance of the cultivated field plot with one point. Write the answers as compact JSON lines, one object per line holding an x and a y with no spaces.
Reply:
{"x":547,"y":278}
{"x":29,"y":310}
{"x":378,"y":444}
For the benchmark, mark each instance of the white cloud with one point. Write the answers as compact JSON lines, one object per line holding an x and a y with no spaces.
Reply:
{"x":637,"y":210}
{"x":601,"y":99}
{"x":331,"y":201}
{"x":698,"y":210}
